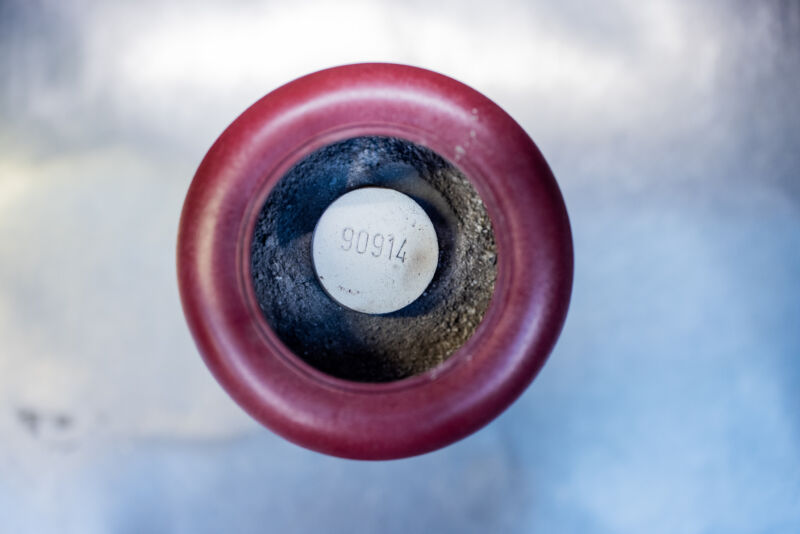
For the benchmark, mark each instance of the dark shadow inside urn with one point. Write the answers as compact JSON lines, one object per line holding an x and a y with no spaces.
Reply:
{"x":348,"y":344}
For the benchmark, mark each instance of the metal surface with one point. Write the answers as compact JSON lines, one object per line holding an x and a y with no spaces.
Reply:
{"x":670,"y":403}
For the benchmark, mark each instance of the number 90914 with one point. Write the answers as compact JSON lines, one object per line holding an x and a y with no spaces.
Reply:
{"x":377,"y":245}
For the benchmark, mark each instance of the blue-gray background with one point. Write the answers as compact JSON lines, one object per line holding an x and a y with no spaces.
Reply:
{"x":671,"y":403}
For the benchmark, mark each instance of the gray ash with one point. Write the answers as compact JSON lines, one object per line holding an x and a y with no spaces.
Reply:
{"x":352,"y":345}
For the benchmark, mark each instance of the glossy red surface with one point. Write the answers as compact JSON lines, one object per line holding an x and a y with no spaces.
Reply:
{"x":418,"y":414}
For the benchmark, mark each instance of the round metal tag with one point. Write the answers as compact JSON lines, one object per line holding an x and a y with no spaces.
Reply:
{"x":375,"y":250}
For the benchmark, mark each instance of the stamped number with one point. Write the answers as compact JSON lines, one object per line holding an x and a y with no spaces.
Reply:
{"x":377,"y":244}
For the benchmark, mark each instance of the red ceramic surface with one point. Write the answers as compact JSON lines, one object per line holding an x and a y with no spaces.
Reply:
{"x":418,"y":414}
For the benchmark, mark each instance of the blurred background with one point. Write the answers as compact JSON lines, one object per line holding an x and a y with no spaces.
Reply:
{"x":671,"y":403}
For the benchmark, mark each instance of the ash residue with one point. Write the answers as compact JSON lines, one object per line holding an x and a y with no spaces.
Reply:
{"x":353,"y":345}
